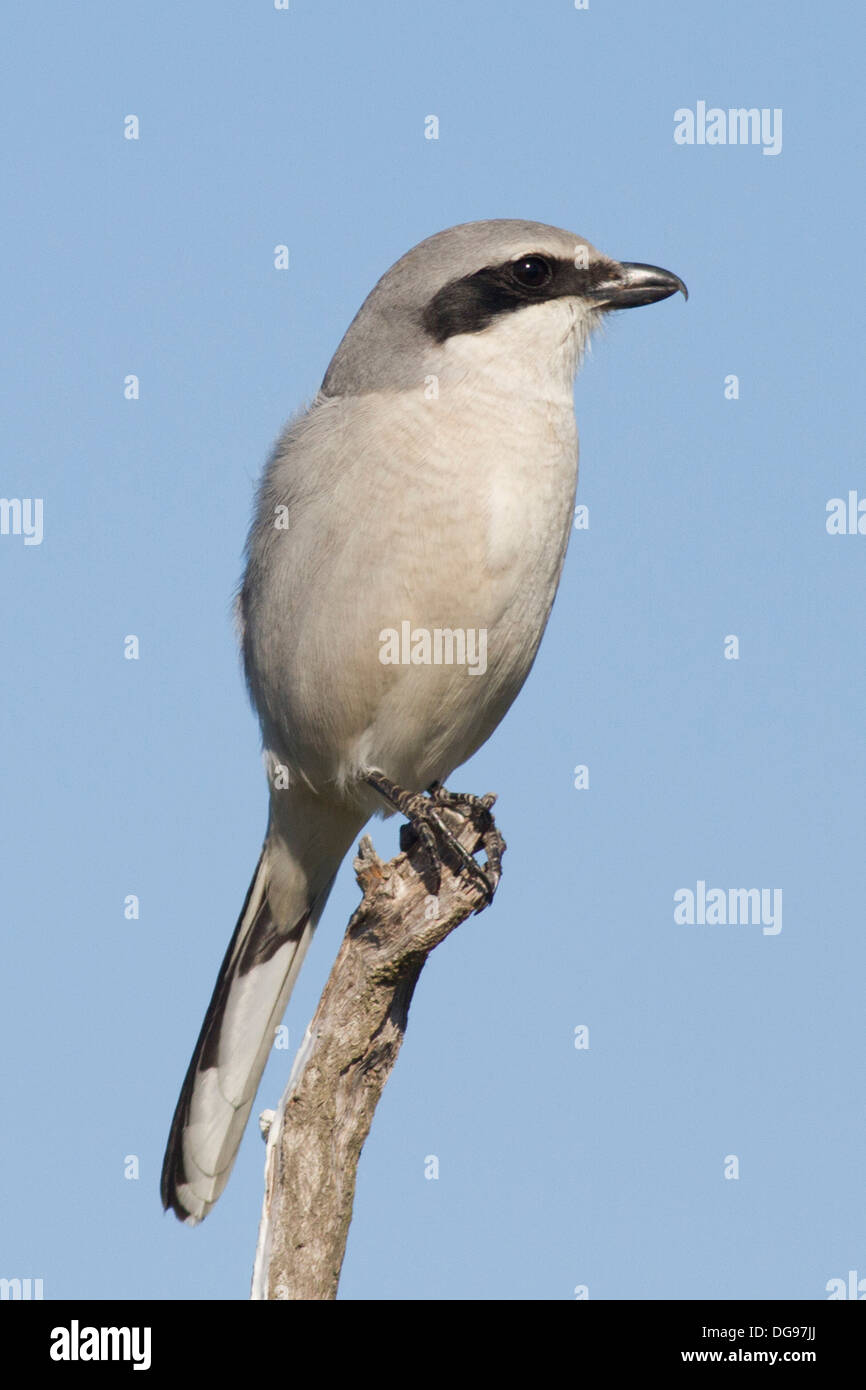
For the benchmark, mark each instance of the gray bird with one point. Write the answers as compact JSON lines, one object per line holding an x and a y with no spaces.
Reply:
{"x":428,"y":489}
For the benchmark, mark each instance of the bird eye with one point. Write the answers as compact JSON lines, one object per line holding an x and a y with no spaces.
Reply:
{"x":532,"y":272}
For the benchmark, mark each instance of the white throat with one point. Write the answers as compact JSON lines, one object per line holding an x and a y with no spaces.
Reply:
{"x":533,"y":352}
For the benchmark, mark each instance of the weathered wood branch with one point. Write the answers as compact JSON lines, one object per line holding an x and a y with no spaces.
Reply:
{"x":316,"y":1136}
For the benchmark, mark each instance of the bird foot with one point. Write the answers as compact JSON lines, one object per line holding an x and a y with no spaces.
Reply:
{"x":424,"y":812}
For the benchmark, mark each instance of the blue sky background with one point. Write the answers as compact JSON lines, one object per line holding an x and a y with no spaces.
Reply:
{"x":558,"y":1167}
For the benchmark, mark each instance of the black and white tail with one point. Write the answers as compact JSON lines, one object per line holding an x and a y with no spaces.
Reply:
{"x":283,"y":905}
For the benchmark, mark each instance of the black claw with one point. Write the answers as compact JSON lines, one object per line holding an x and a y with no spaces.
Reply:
{"x":435,"y":837}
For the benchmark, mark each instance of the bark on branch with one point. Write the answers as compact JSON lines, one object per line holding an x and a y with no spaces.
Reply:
{"x":349,"y":1050}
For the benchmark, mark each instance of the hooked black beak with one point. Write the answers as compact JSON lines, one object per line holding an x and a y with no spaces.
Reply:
{"x":631,"y":284}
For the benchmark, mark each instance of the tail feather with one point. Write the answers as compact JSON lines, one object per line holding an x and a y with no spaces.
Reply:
{"x":264,"y":956}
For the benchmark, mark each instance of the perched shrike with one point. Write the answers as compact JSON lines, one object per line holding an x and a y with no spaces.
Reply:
{"x":428,"y":488}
